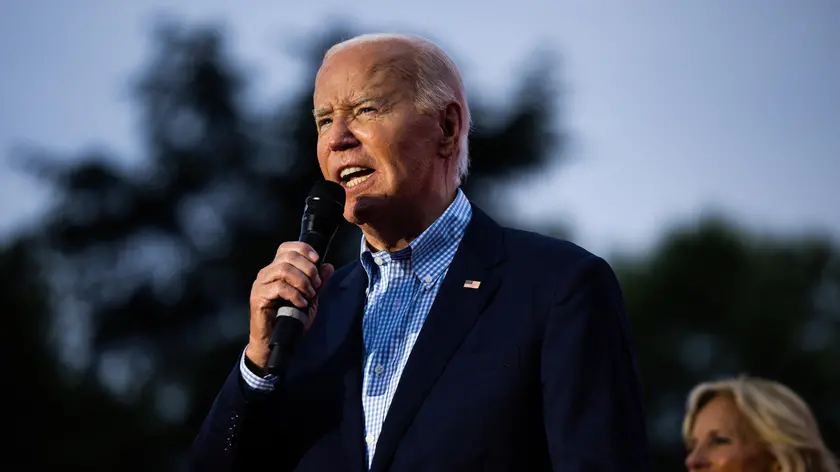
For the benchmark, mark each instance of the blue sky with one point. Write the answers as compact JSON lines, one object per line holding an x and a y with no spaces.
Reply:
{"x":676,"y":107}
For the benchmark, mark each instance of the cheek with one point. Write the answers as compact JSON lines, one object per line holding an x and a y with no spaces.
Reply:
{"x":723,"y":462}
{"x":736,"y":460}
{"x":417,"y":149}
{"x":322,"y":154}
{"x":396,"y":152}
{"x":756,"y":460}
{"x":406,"y":149}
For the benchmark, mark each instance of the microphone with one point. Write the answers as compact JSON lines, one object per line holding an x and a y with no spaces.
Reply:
{"x":323,"y":213}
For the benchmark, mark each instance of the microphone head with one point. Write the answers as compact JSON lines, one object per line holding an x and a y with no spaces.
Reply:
{"x":323,"y":213}
{"x":328,"y":191}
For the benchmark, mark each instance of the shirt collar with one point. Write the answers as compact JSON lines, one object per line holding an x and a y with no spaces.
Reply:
{"x":432,"y":251}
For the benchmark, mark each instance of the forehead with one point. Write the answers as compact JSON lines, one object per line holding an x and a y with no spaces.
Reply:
{"x":718,"y":413}
{"x":363,"y":69}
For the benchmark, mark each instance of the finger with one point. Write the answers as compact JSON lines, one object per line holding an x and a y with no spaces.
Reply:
{"x":279,"y":290}
{"x":299,"y":247}
{"x":302,"y":264}
{"x":283,"y":272}
{"x":291,"y":275}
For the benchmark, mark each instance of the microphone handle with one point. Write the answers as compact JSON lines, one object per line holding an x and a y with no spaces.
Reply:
{"x":290,"y":319}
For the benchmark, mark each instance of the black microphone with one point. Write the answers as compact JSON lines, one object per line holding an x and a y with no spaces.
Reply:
{"x":323,"y":213}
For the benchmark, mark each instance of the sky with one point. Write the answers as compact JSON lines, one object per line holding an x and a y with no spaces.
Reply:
{"x":675,"y":108}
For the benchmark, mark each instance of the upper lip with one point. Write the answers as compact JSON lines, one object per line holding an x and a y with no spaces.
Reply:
{"x":346,"y":165}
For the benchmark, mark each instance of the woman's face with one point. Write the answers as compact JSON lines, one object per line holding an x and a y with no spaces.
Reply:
{"x":721,"y":441}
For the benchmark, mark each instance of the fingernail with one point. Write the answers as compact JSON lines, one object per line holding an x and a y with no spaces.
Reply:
{"x":313,"y":255}
{"x":317,"y":281}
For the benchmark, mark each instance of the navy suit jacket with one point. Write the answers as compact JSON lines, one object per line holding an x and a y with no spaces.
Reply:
{"x":532,"y":371}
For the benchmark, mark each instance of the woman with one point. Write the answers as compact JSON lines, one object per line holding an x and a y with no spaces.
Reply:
{"x":752,"y":425}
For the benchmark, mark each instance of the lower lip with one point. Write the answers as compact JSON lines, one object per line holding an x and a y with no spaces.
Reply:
{"x":361,"y":185}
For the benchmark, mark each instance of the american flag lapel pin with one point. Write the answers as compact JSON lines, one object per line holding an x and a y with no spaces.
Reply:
{"x":472,"y":284}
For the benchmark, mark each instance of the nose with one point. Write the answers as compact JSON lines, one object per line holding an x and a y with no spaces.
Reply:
{"x":696,"y":460}
{"x":341,"y":136}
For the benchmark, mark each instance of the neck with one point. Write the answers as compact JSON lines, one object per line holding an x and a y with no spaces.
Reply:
{"x":397,"y":231}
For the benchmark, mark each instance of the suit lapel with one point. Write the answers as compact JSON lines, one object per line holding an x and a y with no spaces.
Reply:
{"x":347,"y":330}
{"x":452,"y":316}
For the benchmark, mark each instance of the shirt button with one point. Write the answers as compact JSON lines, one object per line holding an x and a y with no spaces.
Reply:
{"x":379,"y":369}
{"x":369,"y":439}
{"x":378,"y":260}
{"x":427,"y":279}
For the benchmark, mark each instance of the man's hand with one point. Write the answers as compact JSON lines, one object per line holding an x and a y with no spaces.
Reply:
{"x":292,"y":276}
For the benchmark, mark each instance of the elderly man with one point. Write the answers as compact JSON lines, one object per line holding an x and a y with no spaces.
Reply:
{"x":453,"y":343}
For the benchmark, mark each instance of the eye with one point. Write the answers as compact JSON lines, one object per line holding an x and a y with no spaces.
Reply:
{"x":719,"y":440}
{"x":324,"y":122}
{"x":366,"y":110}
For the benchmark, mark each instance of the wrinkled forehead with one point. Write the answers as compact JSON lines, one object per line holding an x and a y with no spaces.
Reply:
{"x":361,"y":70}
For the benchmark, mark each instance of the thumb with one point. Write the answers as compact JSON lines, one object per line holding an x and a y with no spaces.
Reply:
{"x":327,"y":270}
{"x":325,"y":273}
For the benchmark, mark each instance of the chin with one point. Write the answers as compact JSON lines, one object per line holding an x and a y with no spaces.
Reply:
{"x":350,"y":216}
{"x":365,"y":209}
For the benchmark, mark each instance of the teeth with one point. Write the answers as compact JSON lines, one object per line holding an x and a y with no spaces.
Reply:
{"x":350,"y":170}
{"x":357,"y":180}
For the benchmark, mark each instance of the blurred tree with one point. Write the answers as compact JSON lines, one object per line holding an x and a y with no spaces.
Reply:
{"x":155,"y":263}
{"x":55,"y":423}
{"x":712,"y":302}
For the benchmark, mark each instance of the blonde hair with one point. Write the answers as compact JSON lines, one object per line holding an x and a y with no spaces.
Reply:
{"x":437,"y":82}
{"x":782,"y":420}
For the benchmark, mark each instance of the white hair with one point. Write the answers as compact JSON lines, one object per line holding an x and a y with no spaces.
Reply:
{"x":437,"y":82}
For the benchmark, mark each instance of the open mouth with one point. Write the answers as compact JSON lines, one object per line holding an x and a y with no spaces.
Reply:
{"x":353,"y":176}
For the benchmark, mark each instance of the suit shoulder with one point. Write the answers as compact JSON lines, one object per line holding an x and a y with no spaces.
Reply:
{"x":570,"y":267}
{"x":522,"y":243}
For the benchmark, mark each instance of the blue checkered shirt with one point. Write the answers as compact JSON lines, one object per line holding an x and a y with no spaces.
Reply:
{"x":402,"y":286}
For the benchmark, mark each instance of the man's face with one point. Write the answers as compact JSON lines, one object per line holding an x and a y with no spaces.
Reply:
{"x":372,"y":139}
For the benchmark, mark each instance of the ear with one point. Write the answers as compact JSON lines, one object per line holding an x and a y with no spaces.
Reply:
{"x":450,"y":125}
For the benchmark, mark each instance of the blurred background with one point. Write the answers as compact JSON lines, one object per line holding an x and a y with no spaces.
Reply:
{"x":155,"y":153}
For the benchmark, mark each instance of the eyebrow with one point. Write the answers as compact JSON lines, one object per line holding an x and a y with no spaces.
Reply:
{"x":319,"y":112}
